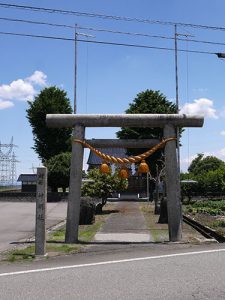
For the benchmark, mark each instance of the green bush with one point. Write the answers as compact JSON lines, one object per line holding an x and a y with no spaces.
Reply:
{"x":104,"y":185}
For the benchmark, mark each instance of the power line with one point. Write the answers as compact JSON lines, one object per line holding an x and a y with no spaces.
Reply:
{"x":125,"y":32}
{"x":145,"y":46}
{"x":111,"y":31}
{"x":85,"y":28}
{"x":151,"y":36}
{"x":201,"y":42}
{"x":37,"y":23}
{"x":103,"y":42}
{"x":111,"y":17}
{"x":37,"y":36}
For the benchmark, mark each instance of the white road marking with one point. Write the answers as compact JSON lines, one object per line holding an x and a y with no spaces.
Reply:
{"x":111,"y":262}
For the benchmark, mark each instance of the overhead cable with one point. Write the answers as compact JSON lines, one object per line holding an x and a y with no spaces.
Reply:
{"x":103,"y":16}
{"x":103,"y":42}
{"x":112,"y":31}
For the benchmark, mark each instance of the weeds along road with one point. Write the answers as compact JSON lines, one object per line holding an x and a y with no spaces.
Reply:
{"x":197,"y":273}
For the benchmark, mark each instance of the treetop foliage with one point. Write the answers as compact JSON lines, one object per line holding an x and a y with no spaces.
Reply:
{"x":49,"y":142}
{"x":151,"y":102}
{"x":147,"y":102}
{"x":201,"y":165}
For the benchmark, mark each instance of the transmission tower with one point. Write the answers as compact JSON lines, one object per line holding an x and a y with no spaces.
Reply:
{"x":7,"y":164}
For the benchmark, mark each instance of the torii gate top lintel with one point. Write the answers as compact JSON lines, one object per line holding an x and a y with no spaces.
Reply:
{"x":121,"y":120}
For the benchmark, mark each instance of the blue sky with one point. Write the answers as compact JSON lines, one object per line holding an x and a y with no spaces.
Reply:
{"x":109,"y":77}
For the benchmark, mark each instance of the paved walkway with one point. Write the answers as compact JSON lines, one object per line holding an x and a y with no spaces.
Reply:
{"x":128,"y":225}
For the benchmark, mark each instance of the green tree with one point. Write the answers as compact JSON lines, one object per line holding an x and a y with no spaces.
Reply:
{"x":215,"y":181}
{"x":147,"y":102}
{"x":212,"y":183}
{"x":209,"y":174}
{"x":201,"y":165}
{"x":103,"y":186}
{"x":195,"y":162}
{"x":49,"y":142}
{"x":59,"y":171}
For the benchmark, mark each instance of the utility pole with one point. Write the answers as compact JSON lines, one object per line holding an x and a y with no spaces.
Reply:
{"x":176,"y":67}
{"x":76,"y":34}
{"x":75,"y":71}
{"x":177,"y":107}
{"x":177,"y":101}
{"x":177,"y":92}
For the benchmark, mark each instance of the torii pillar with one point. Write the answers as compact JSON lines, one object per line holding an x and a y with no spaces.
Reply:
{"x":173,"y":196}
{"x":169,"y":122}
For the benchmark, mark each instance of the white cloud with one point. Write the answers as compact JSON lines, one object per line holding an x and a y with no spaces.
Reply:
{"x":187,"y":160}
{"x":17,"y":90}
{"x":5,"y":104}
{"x":200,"y":106}
{"x":38,"y":77}
{"x":222,"y":132}
{"x":21,"y":89}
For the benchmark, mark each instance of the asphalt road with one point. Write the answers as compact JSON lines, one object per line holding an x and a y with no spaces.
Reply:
{"x":17,"y":220}
{"x":175,"y":273}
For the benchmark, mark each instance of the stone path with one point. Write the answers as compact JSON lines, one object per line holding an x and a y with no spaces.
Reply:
{"x":128,"y":225}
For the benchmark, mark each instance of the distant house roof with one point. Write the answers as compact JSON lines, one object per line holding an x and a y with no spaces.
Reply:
{"x":27,"y":177}
{"x":93,"y":159}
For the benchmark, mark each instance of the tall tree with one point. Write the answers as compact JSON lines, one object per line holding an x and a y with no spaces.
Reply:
{"x":49,"y":142}
{"x":201,"y":165}
{"x":147,"y":102}
{"x":59,"y":171}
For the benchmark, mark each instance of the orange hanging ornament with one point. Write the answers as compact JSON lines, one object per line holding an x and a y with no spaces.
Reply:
{"x":123,"y":173}
{"x":143,"y":167}
{"x":104,"y":168}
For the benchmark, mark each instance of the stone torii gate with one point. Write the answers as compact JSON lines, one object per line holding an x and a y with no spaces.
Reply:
{"x":169,"y":122}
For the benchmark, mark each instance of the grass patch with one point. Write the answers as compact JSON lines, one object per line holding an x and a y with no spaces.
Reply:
{"x":21,"y":254}
{"x":218,"y":223}
{"x":28,"y":253}
{"x":87,"y":234}
{"x":158,"y":232}
{"x":57,"y":235}
{"x":61,"y":248}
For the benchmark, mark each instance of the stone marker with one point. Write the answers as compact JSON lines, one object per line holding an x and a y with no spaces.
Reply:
{"x":41,"y":199}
